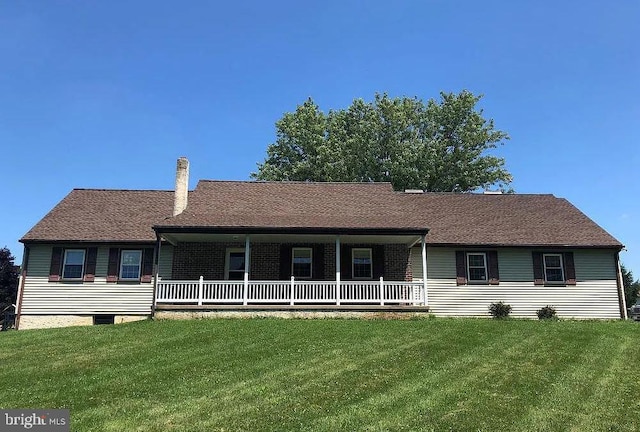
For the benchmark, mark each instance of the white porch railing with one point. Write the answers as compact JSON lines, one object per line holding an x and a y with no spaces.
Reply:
{"x":202,"y":292}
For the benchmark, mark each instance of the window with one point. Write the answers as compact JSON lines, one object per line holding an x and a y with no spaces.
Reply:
{"x":553,"y":268}
{"x":73,"y":267}
{"x":361,"y":262}
{"x":130,"y":261}
{"x":477,"y":267}
{"x":234,"y":268}
{"x":301,"y":263}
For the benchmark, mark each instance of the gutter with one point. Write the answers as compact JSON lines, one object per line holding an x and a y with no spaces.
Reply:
{"x":288,"y":230}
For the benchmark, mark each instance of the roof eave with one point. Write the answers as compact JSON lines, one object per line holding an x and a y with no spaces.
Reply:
{"x":529,"y":245}
{"x":292,"y":230}
{"x":83,"y":241}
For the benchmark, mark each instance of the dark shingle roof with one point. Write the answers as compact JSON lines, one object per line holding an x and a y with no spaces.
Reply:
{"x":227,"y":204}
{"x":509,"y":219}
{"x":462,"y":219}
{"x":104,"y":215}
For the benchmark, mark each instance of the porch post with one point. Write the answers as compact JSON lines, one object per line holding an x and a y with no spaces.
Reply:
{"x":423,"y":243}
{"x":156,"y":272}
{"x":247,"y":245}
{"x":338,"y":270}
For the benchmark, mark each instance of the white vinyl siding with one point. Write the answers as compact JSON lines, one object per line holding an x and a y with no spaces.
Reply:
{"x":594,"y":296}
{"x":42,"y":297}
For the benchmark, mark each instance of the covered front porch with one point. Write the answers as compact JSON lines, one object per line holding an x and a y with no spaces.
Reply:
{"x":291,"y":271}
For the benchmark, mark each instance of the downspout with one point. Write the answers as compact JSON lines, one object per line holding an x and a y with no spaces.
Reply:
{"x":621,"y":298}
{"x":423,"y":251}
{"x":23,"y":277}
{"x":156,"y":271}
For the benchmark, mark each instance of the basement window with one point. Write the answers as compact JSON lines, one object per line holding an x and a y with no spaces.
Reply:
{"x":103,"y":319}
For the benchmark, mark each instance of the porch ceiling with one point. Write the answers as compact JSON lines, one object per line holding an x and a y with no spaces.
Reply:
{"x":175,"y":238}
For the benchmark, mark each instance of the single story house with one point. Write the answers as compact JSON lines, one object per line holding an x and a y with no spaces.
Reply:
{"x":104,"y":256}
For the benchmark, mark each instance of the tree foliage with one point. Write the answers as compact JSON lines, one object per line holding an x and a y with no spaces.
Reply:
{"x":631,"y":286}
{"x":8,"y":279}
{"x":436,"y":146}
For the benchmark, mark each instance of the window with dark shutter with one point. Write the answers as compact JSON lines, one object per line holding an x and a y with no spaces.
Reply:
{"x":554,"y":268}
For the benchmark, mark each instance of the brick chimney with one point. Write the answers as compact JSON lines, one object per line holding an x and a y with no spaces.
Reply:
{"x":182,"y":186}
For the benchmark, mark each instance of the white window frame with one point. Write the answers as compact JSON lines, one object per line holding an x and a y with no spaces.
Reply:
{"x":64,"y":263}
{"x":353,"y":273}
{"x":228,"y":259}
{"x":120,"y":276}
{"x":544,"y":268}
{"x":485,"y":266}
{"x":293,"y":256}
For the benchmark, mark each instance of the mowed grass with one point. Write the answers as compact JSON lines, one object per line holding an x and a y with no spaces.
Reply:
{"x":330,"y":375}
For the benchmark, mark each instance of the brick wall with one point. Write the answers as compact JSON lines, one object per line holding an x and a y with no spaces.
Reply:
{"x":192,"y":260}
{"x":397,"y":262}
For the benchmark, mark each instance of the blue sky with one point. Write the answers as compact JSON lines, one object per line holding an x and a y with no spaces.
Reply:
{"x":109,"y":94}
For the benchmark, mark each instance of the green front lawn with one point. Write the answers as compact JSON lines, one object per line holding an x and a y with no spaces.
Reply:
{"x":332,"y":375}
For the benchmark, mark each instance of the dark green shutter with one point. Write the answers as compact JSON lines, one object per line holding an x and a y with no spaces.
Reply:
{"x":318,"y":262}
{"x":492,"y":266}
{"x":538,"y":268}
{"x":285,"y":262}
{"x":56,"y":264}
{"x":90,"y":266}
{"x":345,"y":262}
{"x":461,"y":268}
{"x":112,"y":268}
{"x":569,"y":268}
{"x":147,"y":265}
{"x":377,"y":256}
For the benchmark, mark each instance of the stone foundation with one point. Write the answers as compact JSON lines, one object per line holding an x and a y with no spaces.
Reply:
{"x":28,"y":322}
{"x":177,"y":315}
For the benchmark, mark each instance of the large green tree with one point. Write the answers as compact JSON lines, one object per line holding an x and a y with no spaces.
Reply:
{"x":8,"y":279}
{"x":442,"y":145}
{"x":631,"y":286}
